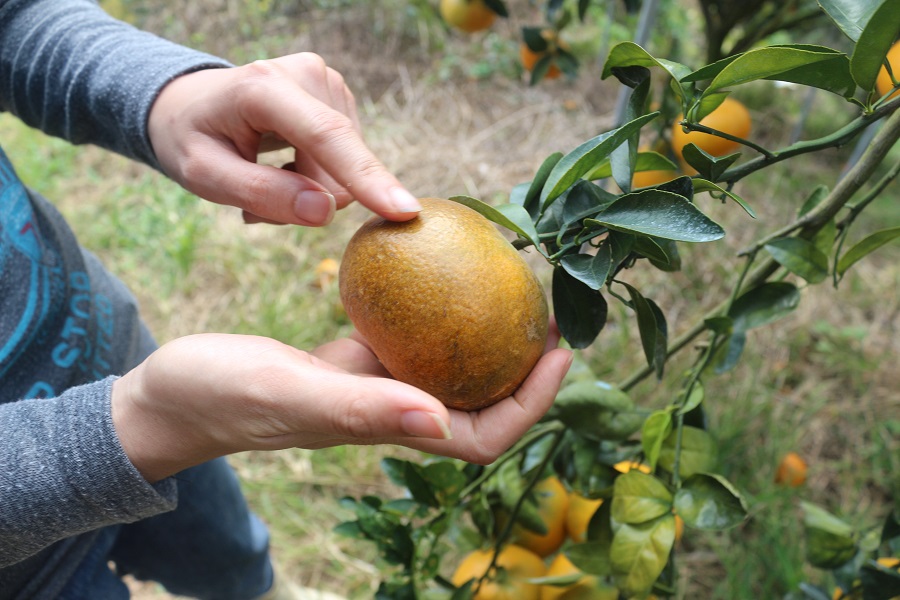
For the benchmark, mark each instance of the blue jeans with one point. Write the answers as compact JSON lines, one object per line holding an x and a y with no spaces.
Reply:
{"x":210,"y":547}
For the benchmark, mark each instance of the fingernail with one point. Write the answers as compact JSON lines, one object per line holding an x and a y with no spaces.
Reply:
{"x":315,"y":207}
{"x":423,"y":424}
{"x":404,"y":202}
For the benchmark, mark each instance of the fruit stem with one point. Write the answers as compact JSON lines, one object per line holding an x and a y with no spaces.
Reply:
{"x":709,"y":130}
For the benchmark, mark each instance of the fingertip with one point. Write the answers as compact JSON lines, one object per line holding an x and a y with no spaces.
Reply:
{"x":401,"y":205}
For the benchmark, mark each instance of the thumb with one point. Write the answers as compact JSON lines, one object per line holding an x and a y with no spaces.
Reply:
{"x":366,"y":409}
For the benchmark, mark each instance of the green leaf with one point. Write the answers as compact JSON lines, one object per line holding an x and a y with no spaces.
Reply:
{"x":698,"y":452}
{"x":814,"y":199}
{"x":446,"y":480}
{"x":658,"y":213}
{"x":850,"y":16}
{"x":865,"y":247}
{"x":645,"y":161}
{"x":763,"y":304}
{"x":702,"y":185}
{"x":580,"y":311}
{"x":800,"y":257}
{"x":694,"y":399}
{"x":585,"y":157}
{"x":591,"y":270}
{"x":656,"y":429}
{"x":729,"y":355}
{"x":810,"y":65}
{"x":638,"y":498}
{"x":652,"y":327}
{"x":640,"y":552}
{"x":596,"y":410}
{"x":622,"y":159}
{"x":710,"y":502}
{"x":629,"y":54}
{"x":830,"y":542}
{"x":533,"y":195}
{"x":591,"y":557}
{"x":877,"y":37}
{"x":708,"y":166}
{"x":512,"y":216}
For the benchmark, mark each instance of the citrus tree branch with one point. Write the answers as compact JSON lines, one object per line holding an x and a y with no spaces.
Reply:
{"x":833,"y":140}
{"x":807,"y":226}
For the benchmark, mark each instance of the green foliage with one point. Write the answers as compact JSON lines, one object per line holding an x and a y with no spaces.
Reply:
{"x":593,"y":238}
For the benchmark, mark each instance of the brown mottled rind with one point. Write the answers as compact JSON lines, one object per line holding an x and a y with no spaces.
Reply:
{"x":446,"y":303}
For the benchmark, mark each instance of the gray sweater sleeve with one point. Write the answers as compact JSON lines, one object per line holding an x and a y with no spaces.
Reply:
{"x":85,"y":481}
{"x":70,"y":70}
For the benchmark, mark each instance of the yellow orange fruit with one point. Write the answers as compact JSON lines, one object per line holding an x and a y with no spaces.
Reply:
{"x":579,"y":515}
{"x":588,"y":587}
{"x":467,"y":15}
{"x":529,"y":58}
{"x":552,"y":506}
{"x":625,"y":466}
{"x":446,"y":303}
{"x":883,"y":83}
{"x":730,"y":117}
{"x":679,"y":528}
{"x":791,"y":470}
{"x":508,"y":580}
{"x":642,"y":179}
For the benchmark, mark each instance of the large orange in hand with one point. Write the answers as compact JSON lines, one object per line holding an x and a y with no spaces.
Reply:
{"x":552,"y":506}
{"x":467,"y":15}
{"x":730,"y":117}
{"x":509,"y":579}
{"x":883,"y":84}
{"x":446,"y":303}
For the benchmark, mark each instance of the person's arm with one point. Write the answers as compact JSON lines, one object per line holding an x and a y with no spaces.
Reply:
{"x":63,"y":472}
{"x":69,"y":69}
{"x":72,"y":71}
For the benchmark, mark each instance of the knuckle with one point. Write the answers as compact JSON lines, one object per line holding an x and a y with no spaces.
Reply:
{"x":332,"y":127}
{"x":354,"y":420}
{"x":256,"y":192}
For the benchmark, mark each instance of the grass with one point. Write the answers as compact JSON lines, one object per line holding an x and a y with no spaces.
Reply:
{"x":447,"y":120}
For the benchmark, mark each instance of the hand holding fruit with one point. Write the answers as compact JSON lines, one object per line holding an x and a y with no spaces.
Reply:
{"x":207,"y":128}
{"x":209,"y":395}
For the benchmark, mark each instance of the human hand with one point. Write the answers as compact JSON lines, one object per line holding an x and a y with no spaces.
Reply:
{"x":207,"y":128}
{"x":209,"y":395}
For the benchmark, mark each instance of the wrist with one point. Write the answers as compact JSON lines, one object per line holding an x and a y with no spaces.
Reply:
{"x":150,"y":441}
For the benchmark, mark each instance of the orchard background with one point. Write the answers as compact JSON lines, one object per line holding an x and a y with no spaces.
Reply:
{"x":455,"y":114}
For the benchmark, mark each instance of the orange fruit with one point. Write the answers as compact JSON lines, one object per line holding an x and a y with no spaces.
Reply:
{"x":589,"y":587}
{"x":467,"y":15}
{"x":730,"y":117}
{"x":627,"y":465}
{"x":529,"y":58}
{"x":579,"y":515}
{"x":644,"y":179}
{"x":509,"y":579}
{"x":679,"y":528}
{"x":446,"y":303}
{"x":883,"y":84}
{"x":552,"y":506}
{"x":791,"y":470}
